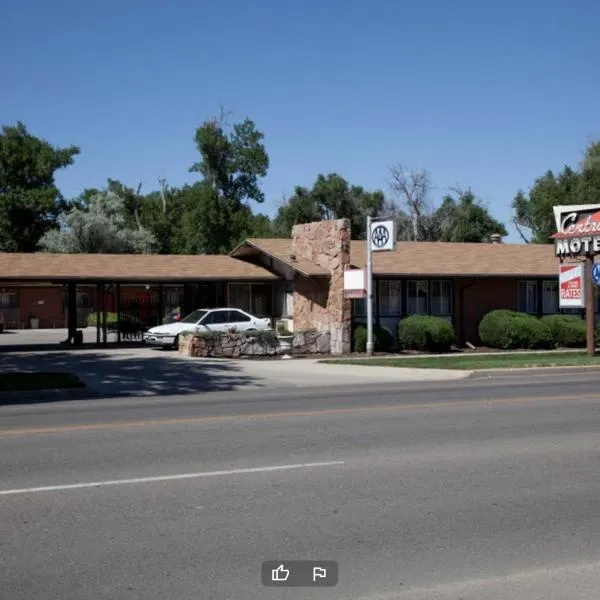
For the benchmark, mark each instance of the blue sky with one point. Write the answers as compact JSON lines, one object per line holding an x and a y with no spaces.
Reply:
{"x":482,"y":94}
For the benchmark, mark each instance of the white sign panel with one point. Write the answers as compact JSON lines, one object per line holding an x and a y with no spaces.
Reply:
{"x":570,"y":286}
{"x":355,"y":283}
{"x":382,"y":236}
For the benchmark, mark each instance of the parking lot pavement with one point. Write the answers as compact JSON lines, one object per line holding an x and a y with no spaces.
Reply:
{"x":41,"y":337}
{"x":144,"y":371}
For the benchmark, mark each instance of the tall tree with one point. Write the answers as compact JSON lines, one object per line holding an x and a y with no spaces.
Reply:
{"x":465,"y":219}
{"x":232,"y":165}
{"x":101,"y":227}
{"x":533,"y":211}
{"x":411,"y":187}
{"x":301,"y":207}
{"x":589,"y":183}
{"x":162,"y":212}
{"x":30,"y":202}
{"x":331,"y":197}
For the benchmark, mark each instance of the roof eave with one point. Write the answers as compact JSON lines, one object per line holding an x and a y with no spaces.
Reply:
{"x":289,"y":264}
{"x":137,"y":279}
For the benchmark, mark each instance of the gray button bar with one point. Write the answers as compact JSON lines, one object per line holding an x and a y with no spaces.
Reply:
{"x":300,"y":573}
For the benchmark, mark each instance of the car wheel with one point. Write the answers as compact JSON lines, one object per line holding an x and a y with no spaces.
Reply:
{"x":176,"y":343}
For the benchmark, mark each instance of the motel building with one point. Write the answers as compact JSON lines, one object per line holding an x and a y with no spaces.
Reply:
{"x":298,"y":281}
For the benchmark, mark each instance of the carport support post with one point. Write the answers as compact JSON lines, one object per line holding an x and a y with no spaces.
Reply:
{"x":161,"y":308}
{"x":118,"y":309}
{"x":104,"y":340}
{"x":369,"y":289}
{"x":98,"y":324}
{"x":71,"y":312}
{"x":590,"y":306}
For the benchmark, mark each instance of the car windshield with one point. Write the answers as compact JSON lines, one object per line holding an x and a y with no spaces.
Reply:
{"x":193,"y":317}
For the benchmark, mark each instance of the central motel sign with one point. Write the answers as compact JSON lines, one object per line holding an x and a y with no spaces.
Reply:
{"x":577,"y":238}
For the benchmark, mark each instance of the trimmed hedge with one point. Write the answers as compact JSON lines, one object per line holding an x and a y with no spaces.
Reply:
{"x":425,"y":333}
{"x":383,"y":340}
{"x":568,"y":331}
{"x":509,"y":330}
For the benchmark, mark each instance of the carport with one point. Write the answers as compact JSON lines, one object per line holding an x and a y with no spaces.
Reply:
{"x":125,"y":293}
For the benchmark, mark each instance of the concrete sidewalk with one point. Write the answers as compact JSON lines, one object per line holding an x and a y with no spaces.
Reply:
{"x":146,"y":371}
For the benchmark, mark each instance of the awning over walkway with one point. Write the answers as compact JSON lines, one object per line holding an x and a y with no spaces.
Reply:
{"x":127,"y":267}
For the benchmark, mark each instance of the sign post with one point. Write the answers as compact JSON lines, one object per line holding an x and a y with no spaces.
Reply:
{"x":369,"y":289}
{"x":590,"y":306}
{"x":381,"y":237}
{"x":578,"y":236}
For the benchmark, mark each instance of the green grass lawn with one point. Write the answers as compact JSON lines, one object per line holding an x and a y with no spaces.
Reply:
{"x":21,"y":381}
{"x":472,"y":362}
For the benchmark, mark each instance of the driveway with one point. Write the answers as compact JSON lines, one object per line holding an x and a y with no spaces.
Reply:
{"x":143,"y":371}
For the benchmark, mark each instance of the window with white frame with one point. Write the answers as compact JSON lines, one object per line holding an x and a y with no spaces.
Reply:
{"x":441,"y":297}
{"x":528,"y":297}
{"x":417,"y":297}
{"x":550,"y":297}
{"x":390,"y":297}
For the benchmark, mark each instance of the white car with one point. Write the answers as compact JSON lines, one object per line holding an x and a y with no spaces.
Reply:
{"x":206,"y":319}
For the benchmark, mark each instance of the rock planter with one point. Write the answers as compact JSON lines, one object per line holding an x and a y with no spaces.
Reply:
{"x":264,"y":344}
{"x":227,"y":345}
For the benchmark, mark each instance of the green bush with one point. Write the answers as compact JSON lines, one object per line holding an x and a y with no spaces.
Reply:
{"x":383,"y":340}
{"x":425,"y":333}
{"x":283,"y":330}
{"x":94,"y":318}
{"x":127,"y":322}
{"x":509,"y":330}
{"x":568,"y":331}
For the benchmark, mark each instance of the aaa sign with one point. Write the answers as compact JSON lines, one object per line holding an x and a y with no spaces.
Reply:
{"x":571,"y":286}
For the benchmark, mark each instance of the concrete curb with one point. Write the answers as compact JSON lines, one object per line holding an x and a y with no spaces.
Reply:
{"x":533,"y":370}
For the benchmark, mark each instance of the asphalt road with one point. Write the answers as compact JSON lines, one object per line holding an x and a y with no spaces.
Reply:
{"x":476,"y":489}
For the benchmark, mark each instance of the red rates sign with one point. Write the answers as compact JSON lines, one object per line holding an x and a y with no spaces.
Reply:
{"x":571,"y":286}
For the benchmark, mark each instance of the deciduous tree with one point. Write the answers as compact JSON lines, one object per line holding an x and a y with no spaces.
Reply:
{"x":465,"y":219}
{"x":101,"y":227}
{"x":331,"y":197}
{"x":411,"y":188}
{"x":30,"y":202}
{"x":232,"y":165}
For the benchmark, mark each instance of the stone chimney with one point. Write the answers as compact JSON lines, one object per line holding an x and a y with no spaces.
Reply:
{"x":496,"y":238}
{"x":319,"y":302}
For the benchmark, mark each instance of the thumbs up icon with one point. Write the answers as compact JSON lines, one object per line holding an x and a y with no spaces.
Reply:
{"x":280,"y":573}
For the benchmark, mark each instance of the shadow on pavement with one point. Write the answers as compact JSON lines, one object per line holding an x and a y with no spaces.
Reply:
{"x":58,"y":347}
{"x":121,"y":372}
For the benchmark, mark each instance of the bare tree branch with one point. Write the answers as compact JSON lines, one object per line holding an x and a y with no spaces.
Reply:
{"x":163,"y":184}
{"x":136,"y":212}
{"x":412,"y":188}
{"x":519,"y":231}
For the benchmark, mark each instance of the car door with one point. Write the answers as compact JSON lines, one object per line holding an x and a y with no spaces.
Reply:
{"x":215,"y":321}
{"x":240,"y":321}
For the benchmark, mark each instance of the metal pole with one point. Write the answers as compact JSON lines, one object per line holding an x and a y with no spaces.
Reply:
{"x":590,"y":306}
{"x":369,"y":290}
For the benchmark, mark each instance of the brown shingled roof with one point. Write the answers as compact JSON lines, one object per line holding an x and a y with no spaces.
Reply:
{"x":442,"y":258}
{"x":280,"y":249}
{"x":458,"y":259}
{"x":127,"y":267}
